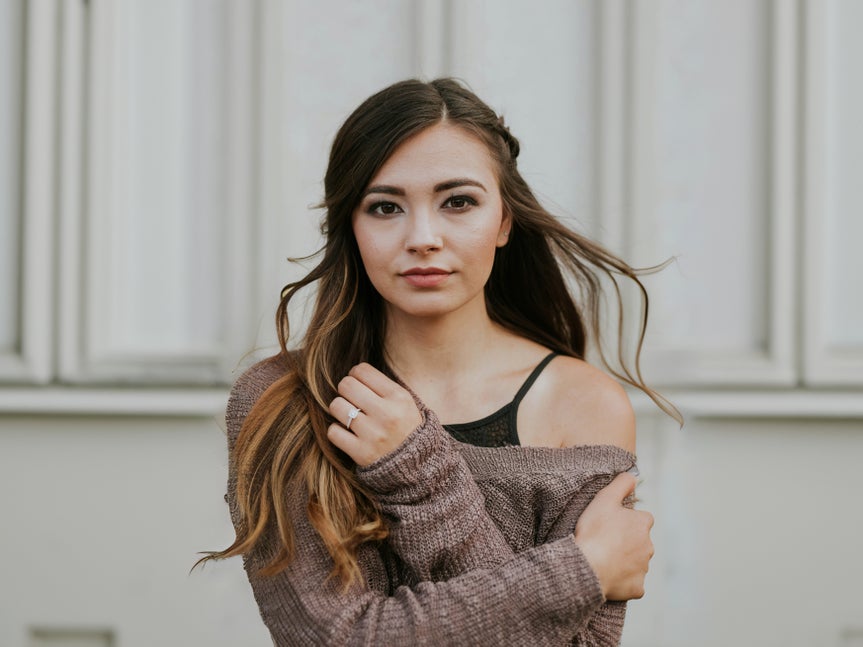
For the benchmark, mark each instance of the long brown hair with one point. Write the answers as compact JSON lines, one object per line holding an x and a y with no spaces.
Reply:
{"x":283,"y":446}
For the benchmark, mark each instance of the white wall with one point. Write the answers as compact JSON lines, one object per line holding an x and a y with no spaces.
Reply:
{"x":758,"y":534}
{"x":169,"y":156}
{"x":103,"y":518}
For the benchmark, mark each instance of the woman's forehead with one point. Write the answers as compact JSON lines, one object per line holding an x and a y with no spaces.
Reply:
{"x":438,"y":154}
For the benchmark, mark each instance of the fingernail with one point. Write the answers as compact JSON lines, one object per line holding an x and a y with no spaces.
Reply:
{"x":634,"y":470}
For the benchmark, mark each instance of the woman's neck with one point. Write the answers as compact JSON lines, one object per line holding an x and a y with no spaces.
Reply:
{"x":464,"y":365}
{"x":421,"y":349}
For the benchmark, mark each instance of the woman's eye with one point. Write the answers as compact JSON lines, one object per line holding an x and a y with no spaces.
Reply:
{"x":460,"y":202}
{"x":384,"y":208}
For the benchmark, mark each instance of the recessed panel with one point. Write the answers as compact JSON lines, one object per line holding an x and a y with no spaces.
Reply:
{"x":11,"y":158}
{"x":704,"y":175}
{"x":157,"y":205}
{"x":842,"y":219}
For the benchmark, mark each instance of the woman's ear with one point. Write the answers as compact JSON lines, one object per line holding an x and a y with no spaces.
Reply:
{"x":505,"y":228}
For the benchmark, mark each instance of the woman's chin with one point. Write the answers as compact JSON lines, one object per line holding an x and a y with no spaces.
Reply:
{"x":427,"y":309}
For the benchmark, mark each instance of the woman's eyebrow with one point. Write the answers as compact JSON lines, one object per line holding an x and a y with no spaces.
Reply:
{"x":452,"y":184}
{"x":382,"y":188}
{"x":442,"y":186}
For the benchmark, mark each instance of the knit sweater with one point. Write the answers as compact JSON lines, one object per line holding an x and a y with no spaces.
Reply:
{"x":480,"y":548}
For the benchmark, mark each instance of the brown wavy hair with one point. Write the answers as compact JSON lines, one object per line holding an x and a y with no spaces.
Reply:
{"x":282,"y":446}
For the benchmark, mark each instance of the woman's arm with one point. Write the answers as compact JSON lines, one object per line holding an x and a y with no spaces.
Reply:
{"x":598,"y":411}
{"x":438,"y":523}
{"x":539,"y":597}
{"x":603,"y":628}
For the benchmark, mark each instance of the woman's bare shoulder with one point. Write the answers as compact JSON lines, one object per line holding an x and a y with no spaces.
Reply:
{"x":579,"y":404}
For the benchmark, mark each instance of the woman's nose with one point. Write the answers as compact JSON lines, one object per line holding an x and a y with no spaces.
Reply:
{"x":423,"y":235}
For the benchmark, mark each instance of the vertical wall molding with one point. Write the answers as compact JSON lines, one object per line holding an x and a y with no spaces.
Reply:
{"x":33,"y":364}
{"x":432,"y":38}
{"x":71,"y":182}
{"x":612,"y":90}
{"x":781,"y":360}
{"x":243,"y":165}
{"x":12,"y":114}
{"x":39,"y":188}
{"x":611,"y":94}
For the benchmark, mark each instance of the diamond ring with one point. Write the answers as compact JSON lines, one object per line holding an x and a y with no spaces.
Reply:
{"x":352,"y":414}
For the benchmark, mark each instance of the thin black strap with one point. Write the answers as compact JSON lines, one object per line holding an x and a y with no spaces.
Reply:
{"x":532,"y":378}
{"x":513,"y":412}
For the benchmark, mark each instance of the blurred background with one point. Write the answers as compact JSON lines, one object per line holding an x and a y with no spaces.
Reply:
{"x":158,"y":164}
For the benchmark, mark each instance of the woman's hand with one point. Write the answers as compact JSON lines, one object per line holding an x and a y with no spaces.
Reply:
{"x":616,"y":540}
{"x":387,"y":415}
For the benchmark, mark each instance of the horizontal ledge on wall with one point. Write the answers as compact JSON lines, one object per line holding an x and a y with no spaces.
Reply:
{"x":190,"y":402}
{"x":792,"y":403}
{"x":211,"y":402}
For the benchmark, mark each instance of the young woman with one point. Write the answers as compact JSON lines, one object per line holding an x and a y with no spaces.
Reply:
{"x":436,"y":463}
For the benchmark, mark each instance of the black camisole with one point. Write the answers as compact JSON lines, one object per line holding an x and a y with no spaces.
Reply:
{"x":499,"y":428}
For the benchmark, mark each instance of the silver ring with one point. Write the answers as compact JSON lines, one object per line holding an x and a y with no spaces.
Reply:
{"x":352,"y":414}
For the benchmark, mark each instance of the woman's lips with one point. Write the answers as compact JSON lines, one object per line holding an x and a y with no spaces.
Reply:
{"x":425,"y":277}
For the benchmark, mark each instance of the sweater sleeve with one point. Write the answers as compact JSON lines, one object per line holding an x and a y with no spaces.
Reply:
{"x":438,"y":523}
{"x":536,"y":598}
{"x":604,"y":628}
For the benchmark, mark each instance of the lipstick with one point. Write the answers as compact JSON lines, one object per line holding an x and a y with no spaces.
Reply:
{"x":425,"y":277}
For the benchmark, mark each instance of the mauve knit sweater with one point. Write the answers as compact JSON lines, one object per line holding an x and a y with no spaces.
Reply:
{"x":480,"y":550}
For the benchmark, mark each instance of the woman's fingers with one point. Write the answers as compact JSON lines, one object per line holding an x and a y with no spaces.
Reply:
{"x":374,"y":379}
{"x":348,"y":415}
{"x":384,"y":414}
{"x":369,"y":389}
{"x":349,"y":444}
{"x":620,"y":487}
{"x":359,"y":394}
{"x":616,"y":540}
{"x":383,"y":401}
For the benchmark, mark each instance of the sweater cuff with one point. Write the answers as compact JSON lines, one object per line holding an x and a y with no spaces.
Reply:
{"x":416,"y":463}
{"x":584,"y":587}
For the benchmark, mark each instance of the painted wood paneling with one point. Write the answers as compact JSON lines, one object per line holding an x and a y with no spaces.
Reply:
{"x":165,"y":99}
{"x":713,"y":181}
{"x":11,"y":151}
{"x":26,"y":212}
{"x":833,"y":213}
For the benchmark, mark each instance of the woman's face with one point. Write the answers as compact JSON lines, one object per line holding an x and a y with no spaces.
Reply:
{"x":429,"y":223}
